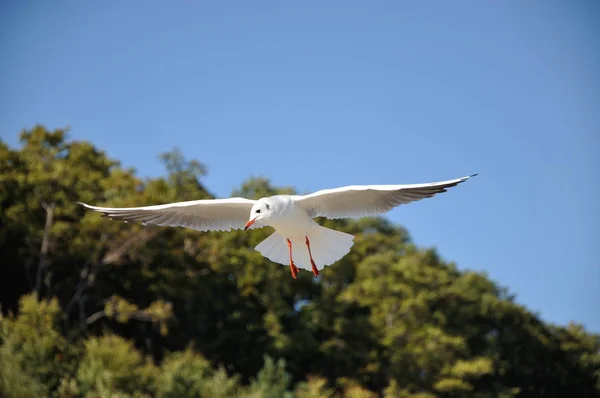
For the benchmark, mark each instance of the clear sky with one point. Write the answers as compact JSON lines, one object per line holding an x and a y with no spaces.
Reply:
{"x":324,"y":94}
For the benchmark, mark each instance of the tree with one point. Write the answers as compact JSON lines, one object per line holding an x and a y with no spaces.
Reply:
{"x":94,"y":307}
{"x":33,"y":352}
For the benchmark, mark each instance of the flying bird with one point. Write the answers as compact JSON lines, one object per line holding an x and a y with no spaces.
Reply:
{"x":298,"y":240}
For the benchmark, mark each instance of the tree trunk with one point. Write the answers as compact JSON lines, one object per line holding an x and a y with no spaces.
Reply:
{"x":43,"y":264}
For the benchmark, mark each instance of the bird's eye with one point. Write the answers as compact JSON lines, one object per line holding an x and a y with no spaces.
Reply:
{"x":258,"y":211}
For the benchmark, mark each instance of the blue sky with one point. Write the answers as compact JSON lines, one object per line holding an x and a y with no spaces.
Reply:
{"x":324,"y":94}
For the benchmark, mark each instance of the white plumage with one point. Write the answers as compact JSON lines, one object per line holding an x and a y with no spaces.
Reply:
{"x":290,"y":215}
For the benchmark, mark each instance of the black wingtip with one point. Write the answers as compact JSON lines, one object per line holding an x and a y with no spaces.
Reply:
{"x":474,"y":175}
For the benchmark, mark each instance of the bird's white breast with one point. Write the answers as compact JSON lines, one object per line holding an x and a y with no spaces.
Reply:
{"x":290,"y":220}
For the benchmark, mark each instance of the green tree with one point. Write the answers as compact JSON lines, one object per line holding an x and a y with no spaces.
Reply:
{"x":94,"y":307}
{"x":188,"y":374}
{"x":272,"y":381}
{"x":33,"y":353}
{"x":111,"y":366}
{"x":314,"y":387}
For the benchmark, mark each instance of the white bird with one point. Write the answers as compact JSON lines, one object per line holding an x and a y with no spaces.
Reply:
{"x":290,"y":215}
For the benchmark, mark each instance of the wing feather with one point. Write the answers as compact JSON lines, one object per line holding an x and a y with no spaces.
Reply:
{"x":201,"y":215}
{"x":368,"y":200}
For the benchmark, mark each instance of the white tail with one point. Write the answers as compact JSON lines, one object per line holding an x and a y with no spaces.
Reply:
{"x":326,"y":245}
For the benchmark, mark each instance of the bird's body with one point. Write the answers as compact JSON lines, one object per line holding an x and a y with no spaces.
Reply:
{"x":292,"y":217}
{"x":287,"y":218}
{"x":295,"y":228}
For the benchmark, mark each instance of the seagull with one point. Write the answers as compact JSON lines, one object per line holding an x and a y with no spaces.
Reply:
{"x":292,"y":217}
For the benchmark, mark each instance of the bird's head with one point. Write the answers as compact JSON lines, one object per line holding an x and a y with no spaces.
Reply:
{"x":261,"y":210}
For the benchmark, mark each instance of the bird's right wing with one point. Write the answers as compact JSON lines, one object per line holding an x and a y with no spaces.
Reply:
{"x":201,"y":215}
{"x":368,"y":200}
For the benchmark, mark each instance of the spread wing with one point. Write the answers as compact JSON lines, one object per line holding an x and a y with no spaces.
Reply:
{"x":201,"y":215}
{"x":368,"y":200}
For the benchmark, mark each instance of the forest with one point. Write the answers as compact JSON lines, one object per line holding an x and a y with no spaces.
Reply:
{"x":99,"y":308}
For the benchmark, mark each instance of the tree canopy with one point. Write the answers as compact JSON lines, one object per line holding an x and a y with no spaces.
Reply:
{"x":99,"y":308}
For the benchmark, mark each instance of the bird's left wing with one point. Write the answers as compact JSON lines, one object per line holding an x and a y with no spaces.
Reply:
{"x":368,"y":200}
{"x":201,"y":215}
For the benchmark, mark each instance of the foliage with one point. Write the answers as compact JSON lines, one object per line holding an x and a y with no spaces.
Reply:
{"x":33,"y":347}
{"x":272,"y":381}
{"x":98,"y":308}
{"x":188,"y":374}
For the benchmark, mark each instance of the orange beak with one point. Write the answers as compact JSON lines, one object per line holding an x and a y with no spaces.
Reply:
{"x":249,"y":223}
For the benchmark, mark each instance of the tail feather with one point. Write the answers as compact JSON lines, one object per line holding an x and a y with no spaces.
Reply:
{"x":327,"y":246}
{"x":274,"y":248}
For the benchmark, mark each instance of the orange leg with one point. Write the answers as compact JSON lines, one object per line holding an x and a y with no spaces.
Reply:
{"x":293,"y":267}
{"x":312,"y":262}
